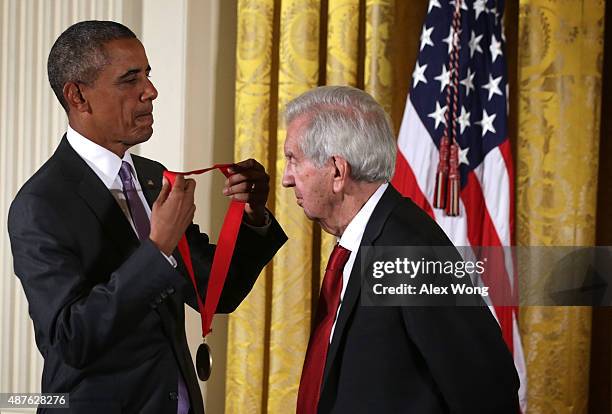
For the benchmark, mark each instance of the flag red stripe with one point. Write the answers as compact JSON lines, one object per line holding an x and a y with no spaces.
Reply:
{"x":506,"y":152}
{"x":481,"y":232}
{"x":405,"y":182}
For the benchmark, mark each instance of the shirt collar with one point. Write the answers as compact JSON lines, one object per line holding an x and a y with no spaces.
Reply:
{"x":351,"y":238}
{"x":103,"y":162}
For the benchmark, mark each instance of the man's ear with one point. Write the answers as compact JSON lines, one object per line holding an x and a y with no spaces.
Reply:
{"x":74,"y":97}
{"x":342,"y":172}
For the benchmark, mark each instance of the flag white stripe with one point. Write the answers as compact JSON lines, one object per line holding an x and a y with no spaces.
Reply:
{"x":420,"y":153}
{"x":495,"y":184}
{"x":519,"y":363}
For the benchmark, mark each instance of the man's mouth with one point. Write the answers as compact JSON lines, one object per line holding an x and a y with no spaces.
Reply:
{"x":147,"y":116}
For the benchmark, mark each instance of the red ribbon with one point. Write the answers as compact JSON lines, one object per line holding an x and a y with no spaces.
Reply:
{"x":223,"y":252}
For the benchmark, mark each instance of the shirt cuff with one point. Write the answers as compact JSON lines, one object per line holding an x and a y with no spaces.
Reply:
{"x":261,"y":230}
{"x":170,"y":259}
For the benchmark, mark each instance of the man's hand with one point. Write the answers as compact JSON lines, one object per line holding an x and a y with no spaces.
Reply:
{"x":172,"y":213}
{"x":249,"y":182}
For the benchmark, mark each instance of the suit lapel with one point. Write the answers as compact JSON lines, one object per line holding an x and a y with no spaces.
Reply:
{"x":383,"y":209}
{"x":97,"y":197}
{"x":149,"y":179}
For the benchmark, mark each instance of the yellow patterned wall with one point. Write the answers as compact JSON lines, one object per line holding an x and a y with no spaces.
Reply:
{"x":279,"y":56}
{"x":248,"y":327}
{"x":342,"y":42}
{"x":341,"y":68}
{"x":378,"y":70}
{"x":560,"y":55}
{"x":268,"y":335}
{"x":292,"y":282}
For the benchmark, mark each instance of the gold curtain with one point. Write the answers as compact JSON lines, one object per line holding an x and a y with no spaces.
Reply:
{"x":559,"y":76}
{"x":378,"y":70}
{"x":291,"y":290}
{"x":285,"y":48}
{"x":288,"y":46}
{"x":342,"y":68}
{"x":248,"y":333}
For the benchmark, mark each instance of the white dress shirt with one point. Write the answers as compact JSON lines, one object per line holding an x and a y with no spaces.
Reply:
{"x":106,"y":165}
{"x":351,"y":240}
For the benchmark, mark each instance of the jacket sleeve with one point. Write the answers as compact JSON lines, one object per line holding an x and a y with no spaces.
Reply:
{"x":464,"y":349}
{"x":251,"y":254}
{"x":468,"y":359}
{"x":71,"y":313}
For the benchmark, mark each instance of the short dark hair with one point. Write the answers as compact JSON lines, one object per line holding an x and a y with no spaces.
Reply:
{"x":78,"y":54}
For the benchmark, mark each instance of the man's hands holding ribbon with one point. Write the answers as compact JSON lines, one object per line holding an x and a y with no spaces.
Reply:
{"x":250,"y":183}
{"x":174,"y":208}
{"x":172,"y":213}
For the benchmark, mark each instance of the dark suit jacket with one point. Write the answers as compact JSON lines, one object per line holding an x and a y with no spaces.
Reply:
{"x":108,"y":311}
{"x":414,"y":359}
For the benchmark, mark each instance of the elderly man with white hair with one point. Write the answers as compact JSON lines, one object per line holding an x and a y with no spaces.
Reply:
{"x":340,"y":154}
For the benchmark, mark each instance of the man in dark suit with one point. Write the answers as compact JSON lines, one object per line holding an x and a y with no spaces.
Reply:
{"x":340,"y":155}
{"x":94,"y":232}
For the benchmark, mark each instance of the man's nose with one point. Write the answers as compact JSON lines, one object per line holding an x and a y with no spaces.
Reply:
{"x":150,"y":92}
{"x":287,"y":179}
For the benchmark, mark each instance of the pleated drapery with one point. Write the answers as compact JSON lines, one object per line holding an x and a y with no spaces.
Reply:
{"x":559,"y":96}
{"x":286,"y":47}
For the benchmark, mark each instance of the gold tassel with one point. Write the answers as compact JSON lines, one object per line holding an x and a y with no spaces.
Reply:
{"x":439,"y":200}
{"x":454,"y":183}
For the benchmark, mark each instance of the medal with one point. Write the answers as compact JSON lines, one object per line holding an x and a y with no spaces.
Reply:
{"x":203,"y":362}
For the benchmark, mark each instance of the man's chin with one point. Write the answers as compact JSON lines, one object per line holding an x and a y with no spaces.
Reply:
{"x":310,"y":216}
{"x":142,"y":136}
{"x":306,"y":212}
{"x":327,"y":229}
{"x":317,"y":219}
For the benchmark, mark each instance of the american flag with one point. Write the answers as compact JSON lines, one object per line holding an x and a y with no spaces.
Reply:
{"x":462,"y":44}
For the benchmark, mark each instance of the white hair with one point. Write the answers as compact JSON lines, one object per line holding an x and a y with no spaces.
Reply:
{"x":346,"y":122}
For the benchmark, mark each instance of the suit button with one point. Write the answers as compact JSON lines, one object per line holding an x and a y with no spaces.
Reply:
{"x":173,"y":396}
{"x":170,"y":290}
{"x":163,"y":295}
{"x":153,"y":305}
{"x":158,"y":301}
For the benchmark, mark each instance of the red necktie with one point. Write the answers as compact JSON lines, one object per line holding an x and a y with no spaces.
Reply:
{"x":314,"y":364}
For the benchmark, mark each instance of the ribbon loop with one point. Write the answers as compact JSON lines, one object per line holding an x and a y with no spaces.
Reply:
{"x":223,"y":252}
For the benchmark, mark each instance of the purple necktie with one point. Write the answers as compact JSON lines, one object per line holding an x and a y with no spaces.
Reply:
{"x":137,"y":210}
{"x":143,"y":228}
